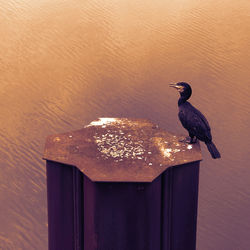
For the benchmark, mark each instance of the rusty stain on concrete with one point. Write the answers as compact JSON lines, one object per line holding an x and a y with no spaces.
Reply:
{"x":121,"y":149}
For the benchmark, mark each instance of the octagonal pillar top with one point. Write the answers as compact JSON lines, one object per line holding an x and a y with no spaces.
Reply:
{"x":121,"y":150}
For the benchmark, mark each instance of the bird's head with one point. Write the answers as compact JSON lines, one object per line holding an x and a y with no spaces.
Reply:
{"x":183,"y":88}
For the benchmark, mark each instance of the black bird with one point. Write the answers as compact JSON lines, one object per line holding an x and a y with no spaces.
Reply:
{"x":193,"y":120}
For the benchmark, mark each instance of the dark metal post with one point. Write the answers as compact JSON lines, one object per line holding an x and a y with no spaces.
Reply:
{"x":147,"y":203}
{"x":122,"y":215}
{"x":179,"y":203}
{"x":65,"y":206}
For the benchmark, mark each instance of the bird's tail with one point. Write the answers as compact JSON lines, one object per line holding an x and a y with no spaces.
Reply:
{"x":213,"y":150}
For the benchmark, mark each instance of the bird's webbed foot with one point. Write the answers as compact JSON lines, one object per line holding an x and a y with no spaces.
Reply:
{"x":192,"y":140}
{"x":186,"y":139}
{"x":189,"y":140}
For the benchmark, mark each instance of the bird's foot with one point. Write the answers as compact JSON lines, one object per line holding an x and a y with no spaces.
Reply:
{"x":192,"y":140}
{"x":189,"y":140}
{"x":185,"y":139}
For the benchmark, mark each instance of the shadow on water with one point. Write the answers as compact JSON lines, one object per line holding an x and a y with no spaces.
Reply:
{"x":67,"y":63}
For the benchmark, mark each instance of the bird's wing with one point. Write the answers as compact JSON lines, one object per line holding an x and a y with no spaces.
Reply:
{"x":201,"y":117}
{"x":195,"y":122}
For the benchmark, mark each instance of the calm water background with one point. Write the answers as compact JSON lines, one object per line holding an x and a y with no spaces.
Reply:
{"x":65,"y":63}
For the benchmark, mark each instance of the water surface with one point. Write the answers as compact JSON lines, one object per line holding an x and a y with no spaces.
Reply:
{"x":65,"y":63}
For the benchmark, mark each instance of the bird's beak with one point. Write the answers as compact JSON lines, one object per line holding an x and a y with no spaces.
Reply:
{"x":173,"y":85}
{"x":176,"y":86}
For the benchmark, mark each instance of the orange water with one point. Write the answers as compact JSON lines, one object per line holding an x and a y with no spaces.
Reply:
{"x":65,"y":63}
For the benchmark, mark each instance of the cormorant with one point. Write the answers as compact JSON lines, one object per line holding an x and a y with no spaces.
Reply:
{"x":193,"y":120}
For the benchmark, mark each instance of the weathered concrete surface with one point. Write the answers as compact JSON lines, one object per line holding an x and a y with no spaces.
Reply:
{"x":121,"y":149}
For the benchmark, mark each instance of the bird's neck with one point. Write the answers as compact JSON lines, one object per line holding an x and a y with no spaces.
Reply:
{"x":184,"y":96}
{"x":182,"y":100}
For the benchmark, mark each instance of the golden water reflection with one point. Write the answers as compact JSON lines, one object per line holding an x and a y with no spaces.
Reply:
{"x":65,"y":63}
